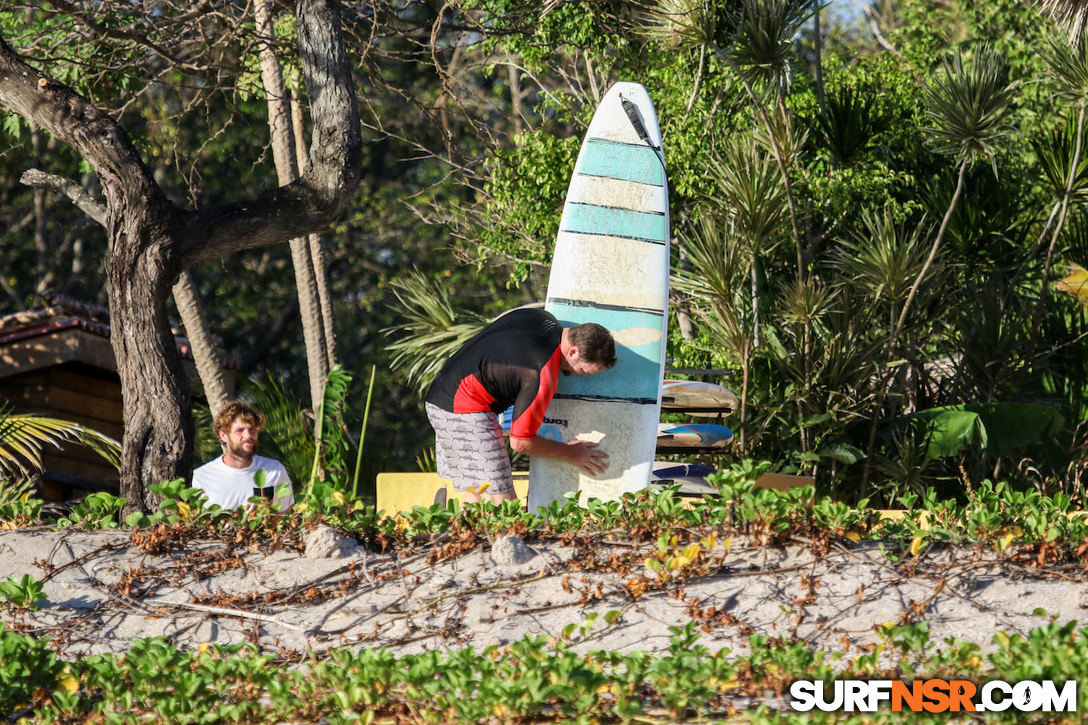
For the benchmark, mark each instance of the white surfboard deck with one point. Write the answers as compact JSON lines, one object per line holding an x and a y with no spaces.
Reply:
{"x":611,"y":266}
{"x":698,"y":398}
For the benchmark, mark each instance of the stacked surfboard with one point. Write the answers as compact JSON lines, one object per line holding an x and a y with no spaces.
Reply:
{"x":704,"y":400}
{"x":696,"y":399}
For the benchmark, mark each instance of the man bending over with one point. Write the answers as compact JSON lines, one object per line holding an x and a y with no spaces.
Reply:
{"x":516,"y":360}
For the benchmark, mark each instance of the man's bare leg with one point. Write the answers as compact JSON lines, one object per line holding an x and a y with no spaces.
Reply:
{"x":494,"y":498}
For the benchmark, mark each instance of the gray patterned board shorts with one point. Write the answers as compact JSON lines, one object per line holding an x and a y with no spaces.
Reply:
{"x":470,"y":449}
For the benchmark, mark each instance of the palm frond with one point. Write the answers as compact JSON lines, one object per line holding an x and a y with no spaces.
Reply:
{"x":765,"y":33}
{"x":967,"y":105}
{"x":14,"y":490}
{"x":682,"y":24}
{"x":755,"y":198}
{"x":1067,"y":64}
{"x":715,"y":280}
{"x":1055,"y":155}
{"x":288,"y":436}
{"x":432,"y":330}
{"x":24,"y":435}
{"x":335,"y":442}
{"x":850,"y":123}
{"x":1071,"y":14}
{"x":805,"y":302}
{"x":780,"y":135}
{"x":758,"y":35}
{"x":1075,"y":238}
{"x":719,"y":260}
{"x":884,"y":259}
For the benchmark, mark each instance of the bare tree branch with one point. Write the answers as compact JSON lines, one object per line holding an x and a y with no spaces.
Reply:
{"x":76,"y":194}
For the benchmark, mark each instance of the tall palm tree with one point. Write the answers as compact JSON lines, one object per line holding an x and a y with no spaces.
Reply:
{"x":721,"y":255}
{"x":1068,"y":64}
{"x":966,"y":112}
{"x":755,"y":39}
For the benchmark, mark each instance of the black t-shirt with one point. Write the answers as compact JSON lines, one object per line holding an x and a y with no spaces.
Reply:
{"x":512,"y":361}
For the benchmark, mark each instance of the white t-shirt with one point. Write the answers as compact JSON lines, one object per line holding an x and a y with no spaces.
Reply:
{"x":233,"y":487}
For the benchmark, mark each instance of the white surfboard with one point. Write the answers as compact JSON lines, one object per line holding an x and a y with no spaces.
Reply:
{"x":698,"y":398}
{"x":611,"y":266}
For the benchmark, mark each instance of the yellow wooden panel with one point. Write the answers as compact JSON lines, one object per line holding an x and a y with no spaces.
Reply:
{"x":782,"y":481}
{"x":402,"y":491}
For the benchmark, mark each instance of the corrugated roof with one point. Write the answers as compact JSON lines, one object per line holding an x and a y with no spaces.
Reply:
{"x":67,"y":314}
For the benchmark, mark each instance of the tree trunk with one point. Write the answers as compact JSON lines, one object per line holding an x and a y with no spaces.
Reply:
{"x":283,"y":153}
{"x":1067,"y":197}
{"x":157,"y":444}
{"x":317,"y":246}
{"x":208,"y":365}
{"x":41,"y":244}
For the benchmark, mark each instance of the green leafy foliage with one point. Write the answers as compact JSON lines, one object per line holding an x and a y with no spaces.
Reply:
{"x":525,"y":192}
{"x":29,"y":670}
{"x":538,"y":677}
{"x":827,"y":137}
{"x":764,"y":33}
{"x":531,"y":678}
{"x":967,"y":105}
{"x":310,"y":446}
{"x":18,"y":506}
{"x":994,"y":426}
{"x":332,"y":441}
{"x":97,"y":511}
{"x":432,"y":330}
{"x":179,"y":502}
{"x":22,"y":593}
{"x":850,"y":124}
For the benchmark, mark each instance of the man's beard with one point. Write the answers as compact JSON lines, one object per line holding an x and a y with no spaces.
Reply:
{"x":241,"y":452}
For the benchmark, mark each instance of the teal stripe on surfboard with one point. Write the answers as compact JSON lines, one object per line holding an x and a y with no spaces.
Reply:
{"x":622,"y":161}
{"x":636,"y":377}
{"x":614,"y":222}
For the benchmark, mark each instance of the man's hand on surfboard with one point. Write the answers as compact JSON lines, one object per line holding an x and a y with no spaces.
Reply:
{"x":586,"y":456}
{"x":583,"y":454}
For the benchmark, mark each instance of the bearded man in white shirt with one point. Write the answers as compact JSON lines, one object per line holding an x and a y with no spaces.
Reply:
{"x":231,"y":479}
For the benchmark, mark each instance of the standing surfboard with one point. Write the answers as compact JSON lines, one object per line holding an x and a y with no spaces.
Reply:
{"x":611,"y":266}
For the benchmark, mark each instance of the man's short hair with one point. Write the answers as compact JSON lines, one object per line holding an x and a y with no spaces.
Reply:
{"x":594,"y":343}
{"x":238,"y":409}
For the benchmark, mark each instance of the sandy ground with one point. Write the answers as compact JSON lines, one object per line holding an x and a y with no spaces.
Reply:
{"x":103,"y":590}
